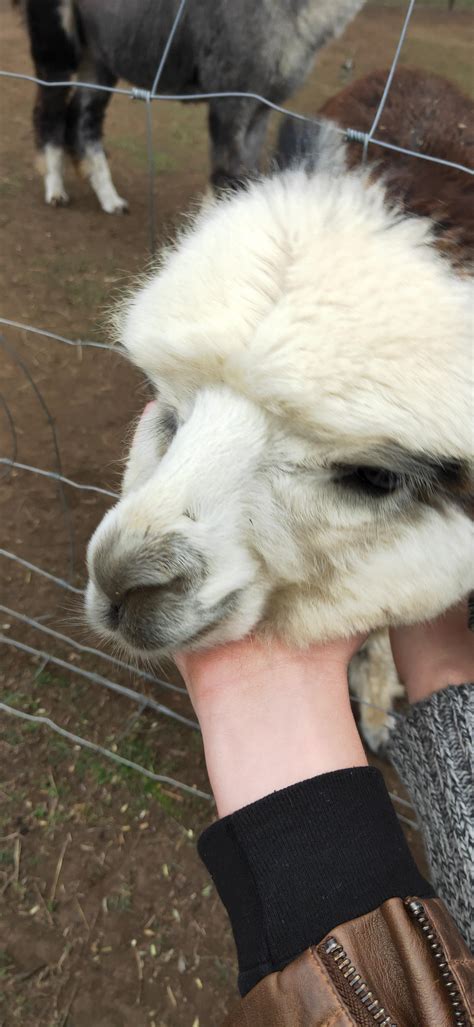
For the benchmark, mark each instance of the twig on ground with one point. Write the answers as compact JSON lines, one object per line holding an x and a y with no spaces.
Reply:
{"x":16,"y":858}
{"x":83,"y":915}
{"x":43,"y":905}
{"x":139,"y":962}
{"x":59,"y":864}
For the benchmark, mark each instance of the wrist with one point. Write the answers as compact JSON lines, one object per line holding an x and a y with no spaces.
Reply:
{"x":429,"y":680}
{"x":262,"y":738}
{"x":430,"y":656}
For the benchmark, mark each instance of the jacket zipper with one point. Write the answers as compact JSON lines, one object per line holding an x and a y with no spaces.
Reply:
{"x":418,"y":913}
{"x":360,"y":988}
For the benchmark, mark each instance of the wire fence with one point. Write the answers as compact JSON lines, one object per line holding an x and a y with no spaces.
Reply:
{"x":10,"y":463}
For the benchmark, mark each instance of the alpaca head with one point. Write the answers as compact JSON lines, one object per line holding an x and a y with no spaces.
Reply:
{"x":305,"y":463}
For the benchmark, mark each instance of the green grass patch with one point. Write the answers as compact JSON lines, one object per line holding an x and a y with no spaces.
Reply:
{"x":120,"y":901}
{"x":106,"y":774}
{"x":50,"y":678}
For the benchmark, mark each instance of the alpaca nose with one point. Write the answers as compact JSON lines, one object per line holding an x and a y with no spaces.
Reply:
{"x":145,"y":614}
{"x":114,"y":615}
{"x":143,"y":584}
{"x":138,"y":602}
{"x":127,"y":568}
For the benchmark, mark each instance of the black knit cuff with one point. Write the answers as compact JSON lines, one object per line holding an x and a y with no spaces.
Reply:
{"x":297,"y":863}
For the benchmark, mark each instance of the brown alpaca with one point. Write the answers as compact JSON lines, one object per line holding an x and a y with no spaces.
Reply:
{"x":428,"y":114}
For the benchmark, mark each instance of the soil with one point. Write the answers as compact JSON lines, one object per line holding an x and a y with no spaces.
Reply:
{"x":108,"y":916}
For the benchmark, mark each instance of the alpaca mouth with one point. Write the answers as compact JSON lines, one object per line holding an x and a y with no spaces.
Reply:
{"x":231,"y":604}
{"x":157,"y":625}
{"x":167,"y":638}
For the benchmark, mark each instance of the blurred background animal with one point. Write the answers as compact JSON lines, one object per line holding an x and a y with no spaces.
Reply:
{"x":424,"y":113}
{"x":265,"y":48}
{"x":305,"y":468}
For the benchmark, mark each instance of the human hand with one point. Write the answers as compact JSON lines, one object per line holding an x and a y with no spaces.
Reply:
{"x":272,"y":715}
{"x":431,"y":656}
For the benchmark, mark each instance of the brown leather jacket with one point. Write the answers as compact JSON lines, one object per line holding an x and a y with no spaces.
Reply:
{"x":403,"y":965}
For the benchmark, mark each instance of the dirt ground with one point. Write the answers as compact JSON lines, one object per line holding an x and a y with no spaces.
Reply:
{"x":108,"y":916}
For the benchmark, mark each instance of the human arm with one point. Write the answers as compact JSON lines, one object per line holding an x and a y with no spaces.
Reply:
{"x":272,"y":716}
{"x":432,"y":750}
{"x":308,"y":839}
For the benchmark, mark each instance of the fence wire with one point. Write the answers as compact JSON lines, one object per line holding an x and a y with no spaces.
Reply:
{"x":90,"y":651}
{"x":143,"y":701}
{"x":234,"y":94}
{"x":10,"y":463}
{"x":85,"y":743}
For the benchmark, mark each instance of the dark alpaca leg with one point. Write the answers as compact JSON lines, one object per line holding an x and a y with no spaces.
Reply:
{"x":84,"y":137}
{"x":54,"y":55}
{"x":255,"y":137}
{"x":49,"y":123}
{"x":237,"y":128}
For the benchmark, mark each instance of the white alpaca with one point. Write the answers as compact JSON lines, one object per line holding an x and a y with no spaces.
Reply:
{"x":304,"y":467}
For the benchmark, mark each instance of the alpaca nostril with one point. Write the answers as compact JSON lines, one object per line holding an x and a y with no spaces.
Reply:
{"x":136,"y":600}
{"x":114,"y":615}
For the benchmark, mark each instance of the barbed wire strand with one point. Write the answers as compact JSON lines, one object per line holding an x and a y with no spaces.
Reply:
{"x":356,"y":136}
{"x":389,"y":81}
{"x":98,"y":679}
{"x":80,"y":591}
{"x":64,"y":584}
{"x":85,"y":743}
{"x":149,"y":130}
{"x":169,"y":41}
{"x":67,"y":83}
{"x":59,"y":338}
{"x":13,"y":434}
{"x":39,"y":570}
{"x":144,"y":701}
{"x":91,"y":651}
{"x":151,"y":176}
{"x":87,"y":649}
{"x":54,"y":435}
{"x":159,"y":778}
{"x":57,"y":477}
{"x":141,"y":94}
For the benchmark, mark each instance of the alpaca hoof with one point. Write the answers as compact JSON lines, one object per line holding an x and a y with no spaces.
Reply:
{"x":58,"y":198}
{"x":116,"y":206}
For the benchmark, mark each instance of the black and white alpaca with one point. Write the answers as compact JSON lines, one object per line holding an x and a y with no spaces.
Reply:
{"x":306,"y":467}
{"x":265,"y":48}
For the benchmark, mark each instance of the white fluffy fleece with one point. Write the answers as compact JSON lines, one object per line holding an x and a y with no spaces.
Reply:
{"x":308,"y":296}
{"x":296,"y":327}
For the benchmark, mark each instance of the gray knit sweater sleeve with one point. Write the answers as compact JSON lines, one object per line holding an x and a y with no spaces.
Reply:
{"x":432,"y":750}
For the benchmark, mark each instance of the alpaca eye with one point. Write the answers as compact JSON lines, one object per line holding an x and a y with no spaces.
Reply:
{"x":169,"y":423}
{"x":373,"y":481}
{"x":378,"y":479}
